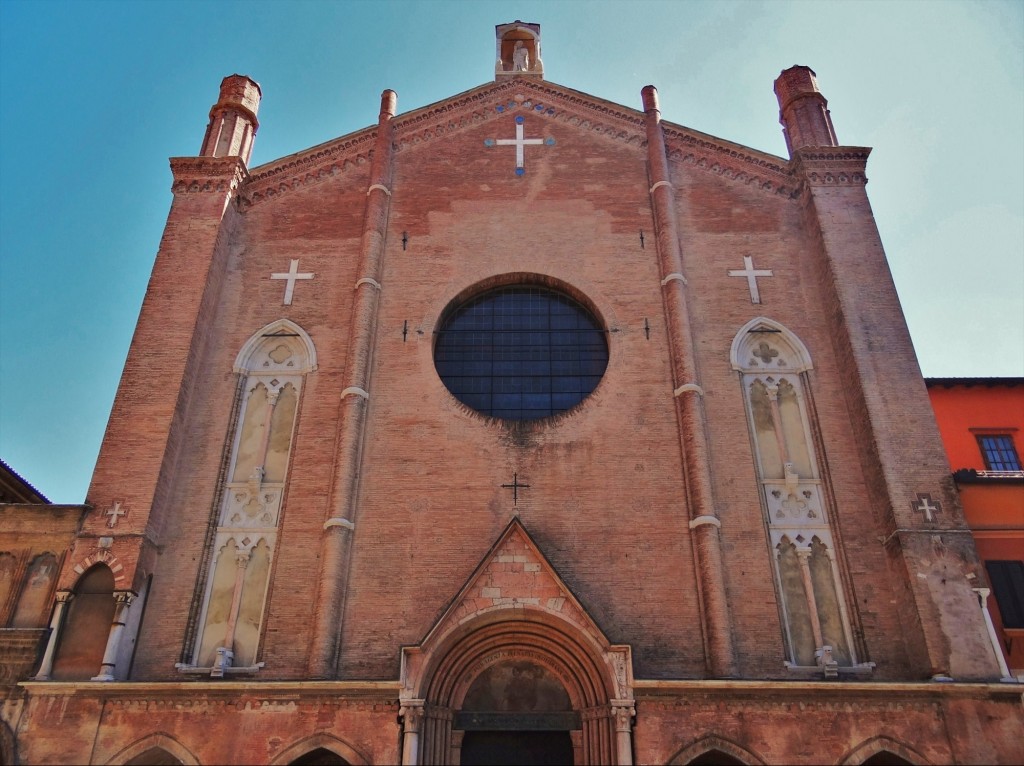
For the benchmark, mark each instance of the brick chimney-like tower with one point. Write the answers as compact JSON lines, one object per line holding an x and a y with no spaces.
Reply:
{"x":803,"y":111}
{"x":233,"y":122}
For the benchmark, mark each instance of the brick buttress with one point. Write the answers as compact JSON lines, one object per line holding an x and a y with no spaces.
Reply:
{"x":342,"y":510}
{"x":704,"y":523}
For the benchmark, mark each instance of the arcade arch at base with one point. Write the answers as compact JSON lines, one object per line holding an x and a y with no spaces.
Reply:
{"x":519,"y":687}
{"x":319,"y":749}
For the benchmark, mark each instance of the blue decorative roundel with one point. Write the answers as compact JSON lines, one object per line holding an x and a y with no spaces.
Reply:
{"x":520,"y":120}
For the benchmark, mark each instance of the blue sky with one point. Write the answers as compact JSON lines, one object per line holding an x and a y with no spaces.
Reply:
{"x":95,"y":96}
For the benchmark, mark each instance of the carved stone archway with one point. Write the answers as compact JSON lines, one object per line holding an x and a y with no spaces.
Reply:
{"x":503,"y":622}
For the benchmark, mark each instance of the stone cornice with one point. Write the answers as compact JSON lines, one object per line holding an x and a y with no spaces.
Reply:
{"x":705,"y":153}
{"x":831,"y":166}
{"x":762,"y":171}
{"x":481,"y":104}
{"x":823,"y":690}
{"x":207,"y":174}
{"x":309,"y":167}
{"x":206,"y":692}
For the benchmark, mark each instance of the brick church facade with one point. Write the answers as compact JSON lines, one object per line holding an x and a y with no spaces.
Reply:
{"x":521,"y":426}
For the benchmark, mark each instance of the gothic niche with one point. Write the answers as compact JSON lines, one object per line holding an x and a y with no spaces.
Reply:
{"x":271,"y":369}
{"x":83,"y":636}
{"x":518,"y":49}
{"x":773,"y":366}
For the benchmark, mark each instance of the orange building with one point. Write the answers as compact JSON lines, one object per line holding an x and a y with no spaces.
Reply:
{"x":982,"y":425}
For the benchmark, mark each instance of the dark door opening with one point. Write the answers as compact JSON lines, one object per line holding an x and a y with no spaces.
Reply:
{"x":511,"y":748}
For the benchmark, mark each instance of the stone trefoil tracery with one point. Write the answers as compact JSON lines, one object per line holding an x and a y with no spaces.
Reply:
{"x":272,"y":367}
{"x":817,"y":624}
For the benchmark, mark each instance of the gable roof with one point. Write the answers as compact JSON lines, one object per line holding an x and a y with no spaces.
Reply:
{"x":15,"y":489}
{"x":490,"y":101}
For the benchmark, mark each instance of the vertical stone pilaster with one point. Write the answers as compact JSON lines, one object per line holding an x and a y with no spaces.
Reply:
{"x":354,"y":402}
{"x":689,"y":405}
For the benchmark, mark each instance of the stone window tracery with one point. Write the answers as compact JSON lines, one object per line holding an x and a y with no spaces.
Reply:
{"x":773,"y":367}
{"x":520,"y":352}
{"x":271,"y":368}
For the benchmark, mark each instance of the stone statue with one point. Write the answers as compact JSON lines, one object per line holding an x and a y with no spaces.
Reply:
{"x":520,"y":58}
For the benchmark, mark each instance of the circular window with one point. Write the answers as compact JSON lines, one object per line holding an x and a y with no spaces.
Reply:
{"x":520,"y":352}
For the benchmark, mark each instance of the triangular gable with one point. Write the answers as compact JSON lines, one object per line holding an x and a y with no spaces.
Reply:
{"x":515,"y":585}
{"x":492,"y":101}
{"x":514,"y":574}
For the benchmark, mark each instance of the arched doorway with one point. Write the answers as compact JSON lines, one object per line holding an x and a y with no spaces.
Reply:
{"x":516,"y":712}
{"x":519,"y":691}
{"x":516,"y":664}
{"x":155,"y":756}
{"x":321,"y":756}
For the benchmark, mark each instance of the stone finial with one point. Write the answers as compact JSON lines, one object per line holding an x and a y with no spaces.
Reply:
{"x":803,"y":110}
{"x":233,"y":122}
{"x":518,"y":50}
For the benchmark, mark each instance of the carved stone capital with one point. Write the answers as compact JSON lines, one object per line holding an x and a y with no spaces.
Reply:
{"x":411,"y":713}
{"x":623,"y":711}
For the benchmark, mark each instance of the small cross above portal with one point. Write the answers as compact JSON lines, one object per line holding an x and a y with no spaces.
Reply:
{"x":519,"y":142}
{"x":515,"y":486}
{"x":925,"y":505}
{"x":115,"y":512}
{"x":291,"y":275}
{"x":751,"y":274}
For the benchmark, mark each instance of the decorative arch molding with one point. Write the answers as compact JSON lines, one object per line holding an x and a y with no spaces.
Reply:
{"x":880,"y":744}
{"x":815,"y":601}
{"x":317,"y":741}
{"x":159,"y":740}
{"x":515,"y":610}
{"x":783,"y":349}
{"x":258,"y":354}
{"x":271,"y":368}
{"x":510,"y":634}
{"x":711,"y":742}
{"x":104,"y":557}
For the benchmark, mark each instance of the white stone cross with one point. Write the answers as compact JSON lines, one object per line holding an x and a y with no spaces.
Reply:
{"x":291,"y":275}
{"x":518,"y":142}
{"x":925,"y":506}
{"x":751,"y":274}
{"x":115,"y":513}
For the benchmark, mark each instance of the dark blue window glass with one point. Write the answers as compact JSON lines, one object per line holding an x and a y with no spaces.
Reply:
{"x":521,"y":353}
